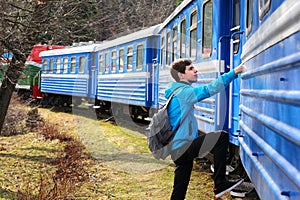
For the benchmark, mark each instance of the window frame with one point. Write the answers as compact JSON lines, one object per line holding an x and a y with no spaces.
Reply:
{"x":106,"y":63}
{"x":45,"y":65}
{"x":100,"y":63}
{"x":249,"y":16}
{"x":182,"y":45}
{"x":82,"y":66}
{"x":263,"y":8}
{"x":205,"y":33}
{"x":51,"y":65}
{"x":162,"y":51}
{"x":168,"y":44}
{"x":139,"y":62}
{"x":236,"y":22}
{"x":113,"y":61}
{"x":193,"y":35}
{"x":58,"y":65}
{"x":73,"y":65}
{"x":65,"y":65}
{"x":129,"y":57}
{"x":121,"y":60}
{"x":174,"y":42}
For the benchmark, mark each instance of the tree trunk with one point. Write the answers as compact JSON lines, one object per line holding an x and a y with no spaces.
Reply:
{"x":6,"y":91}
{"x":15,"y":67}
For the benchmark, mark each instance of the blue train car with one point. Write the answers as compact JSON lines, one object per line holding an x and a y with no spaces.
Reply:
{"x":194,"y":30}
{"x":260,"y":110}
{"x":126,"y":72}
{"x":69,"y":74}
{"x":269,"y":122}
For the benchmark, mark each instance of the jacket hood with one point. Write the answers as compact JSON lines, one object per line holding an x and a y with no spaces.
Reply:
{"x":173,"y":86}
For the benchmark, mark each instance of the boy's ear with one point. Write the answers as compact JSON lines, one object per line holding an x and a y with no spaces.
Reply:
{"x":180,"y":75}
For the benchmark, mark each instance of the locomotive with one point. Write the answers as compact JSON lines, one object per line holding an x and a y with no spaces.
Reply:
{"x":259,"y":110}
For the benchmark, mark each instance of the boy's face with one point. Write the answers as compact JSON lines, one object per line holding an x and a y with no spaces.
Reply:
{"x":190,"y":74}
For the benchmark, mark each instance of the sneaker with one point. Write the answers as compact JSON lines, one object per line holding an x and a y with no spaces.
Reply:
{"x":242,"y":189}
{"x":226,"y":187}
{"x":229,"y":169}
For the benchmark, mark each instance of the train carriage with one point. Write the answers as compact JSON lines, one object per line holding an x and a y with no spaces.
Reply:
{"x":29,"y":81}
{"x":69,"y":74}
{"x":127,"y":72}
{"x":194,"y":30}
{"x":270,"y":105}
{"x":259,"y":109}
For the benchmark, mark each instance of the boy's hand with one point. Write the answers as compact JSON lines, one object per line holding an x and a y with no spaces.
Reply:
{"x":238,"y":69}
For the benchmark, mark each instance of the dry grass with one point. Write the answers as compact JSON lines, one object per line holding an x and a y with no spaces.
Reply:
{"x":52,"y":163}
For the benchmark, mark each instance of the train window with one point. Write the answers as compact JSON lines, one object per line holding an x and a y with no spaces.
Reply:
{"x":100,"y":64}
{"x":51,"y":65}
{"x":58,"y":65}
{"x":93,"y":61}
{"x":236,"y":24}
{"x":73,"y":64}
{"x":140,"y":57}
{"x":193,"y":35}
{"x":168,"y":52}
{"x":264,"y":7}
{"x":249,"y":17}
{"x":162,"y":50}
{"x":81,"y":64}
{"x":129,"y":58}
{"x":207,"y":29}
{"x":182,"y":38}
{"x":106,"y":62}
{"x":113,"y":61}
{"x":174,"y":43}
{"x":65,"y":65}
{"x":45,"y":65}
{"x":121,"y":60}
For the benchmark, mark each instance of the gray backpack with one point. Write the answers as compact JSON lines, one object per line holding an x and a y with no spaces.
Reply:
{"x":159,"y":132}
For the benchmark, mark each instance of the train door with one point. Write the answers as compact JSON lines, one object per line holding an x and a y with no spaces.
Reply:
{"x":235,"y":60}
{"x":92,"y":75}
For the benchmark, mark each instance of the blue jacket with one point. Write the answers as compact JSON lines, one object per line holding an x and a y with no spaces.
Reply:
{"x":182,"y":106}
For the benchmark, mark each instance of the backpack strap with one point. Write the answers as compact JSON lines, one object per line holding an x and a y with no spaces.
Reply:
{"x":170,"y":97}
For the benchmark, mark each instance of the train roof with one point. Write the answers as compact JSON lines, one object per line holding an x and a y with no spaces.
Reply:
{"x":151,"y":31}
{"x":147,"y":32}
{"x":175,"y":13}
{"x":71,"y":50}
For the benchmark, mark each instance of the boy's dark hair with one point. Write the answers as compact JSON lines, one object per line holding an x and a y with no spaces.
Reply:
{"x":179,"y":66}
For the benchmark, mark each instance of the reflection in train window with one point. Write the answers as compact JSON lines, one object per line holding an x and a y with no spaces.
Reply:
{"x":264,"y":7}
{"x":249,"y":17}
{"x":81,"y":64}
{"x":174,"y":43}
{"x":51,"y":65}
{"x":207,"y":29}
{"x":121,"y":60}
{"x":162,"y":50}
{"x":58,"y":65}
{"x":100,"y":64}
{"x":139,"y":57}
{"x":193,"y":35}
{"x":129,"y":58}
{"x":182,"y":38}
{"x":45,"y":65}
{"x":66,"y":62}
{"x":113,"y":61}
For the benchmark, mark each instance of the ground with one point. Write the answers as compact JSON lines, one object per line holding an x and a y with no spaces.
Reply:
{"x":115,"y":163}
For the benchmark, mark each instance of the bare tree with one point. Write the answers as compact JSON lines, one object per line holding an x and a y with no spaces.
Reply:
{"x":24,"y":23}
{"x":27,"y":22}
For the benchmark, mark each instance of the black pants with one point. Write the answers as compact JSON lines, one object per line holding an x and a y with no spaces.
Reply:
{"x":216,"y":143}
